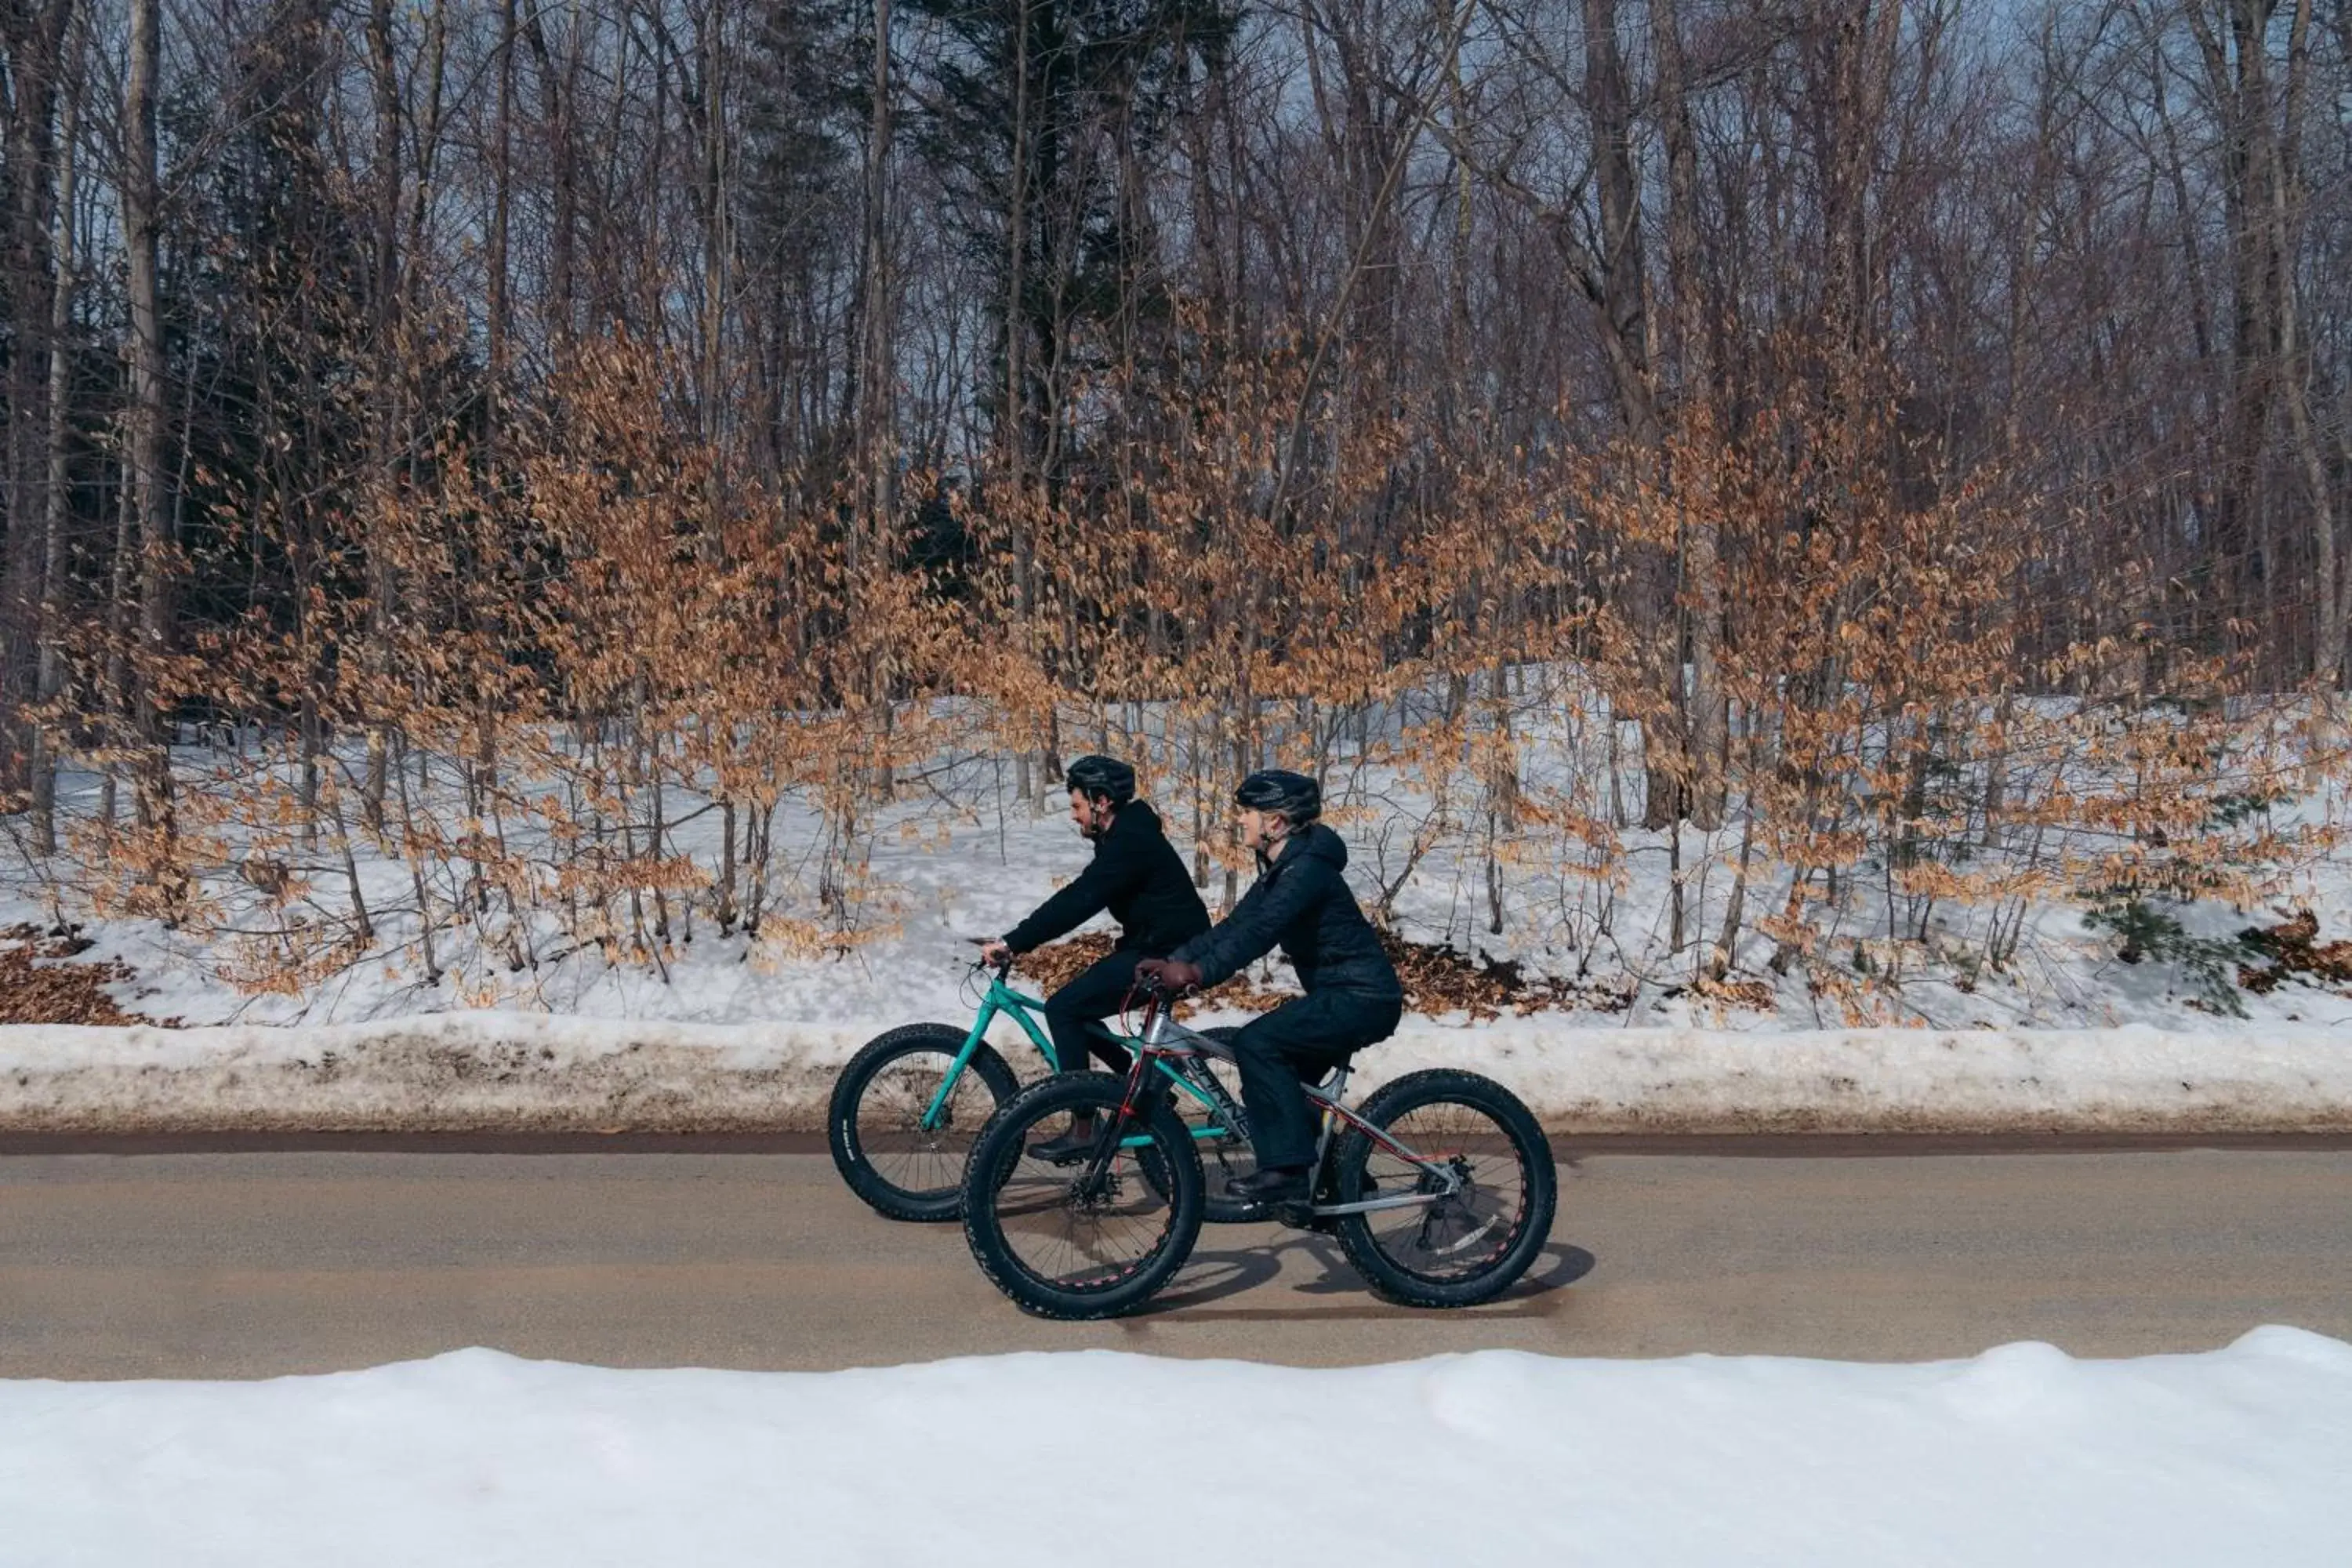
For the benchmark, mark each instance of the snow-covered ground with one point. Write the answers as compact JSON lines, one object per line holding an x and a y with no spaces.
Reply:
{"x":491,"y":1071}
{"x":527,"y":1024}
{"x":961,"y":856}
{"x":728,"y":1034}
{"x":2021,"y":1456}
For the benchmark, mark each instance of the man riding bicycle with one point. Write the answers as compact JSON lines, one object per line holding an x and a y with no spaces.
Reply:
{"x":1136,"y":874}
{"x":1353,"y":999}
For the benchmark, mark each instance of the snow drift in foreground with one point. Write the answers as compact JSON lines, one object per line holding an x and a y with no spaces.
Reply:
{"x":2021,"y":1456}
{"x":458,"y":1071}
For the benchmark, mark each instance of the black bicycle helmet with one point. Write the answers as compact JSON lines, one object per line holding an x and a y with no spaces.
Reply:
{"x":1295,"y":795}
{"x":1104,"y":778}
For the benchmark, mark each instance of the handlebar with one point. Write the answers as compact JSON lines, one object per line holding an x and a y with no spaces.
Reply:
{"x":1153,"y":984}
{"x":1158,"y":997}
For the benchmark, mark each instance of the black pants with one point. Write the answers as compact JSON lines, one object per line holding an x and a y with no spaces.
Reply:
{"x":1303,"y":1038}
{"x":1074,"y":1014}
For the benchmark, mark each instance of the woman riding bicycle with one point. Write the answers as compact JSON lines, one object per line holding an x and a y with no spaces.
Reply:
{"x":1301,"y":902}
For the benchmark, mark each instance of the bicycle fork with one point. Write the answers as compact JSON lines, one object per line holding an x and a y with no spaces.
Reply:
{"x":936,"y":1111}
{"x":1111,"y":1136}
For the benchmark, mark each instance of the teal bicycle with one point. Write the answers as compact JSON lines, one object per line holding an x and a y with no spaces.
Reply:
{"x":908,"y":1107}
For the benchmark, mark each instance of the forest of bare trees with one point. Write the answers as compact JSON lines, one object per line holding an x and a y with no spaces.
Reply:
{"x":579,"y":409}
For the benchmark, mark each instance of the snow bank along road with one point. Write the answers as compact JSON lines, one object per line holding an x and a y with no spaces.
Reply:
{"x":512,"y":1072}
{"x":241,"y":1265}
{"x":2016,"y":1457}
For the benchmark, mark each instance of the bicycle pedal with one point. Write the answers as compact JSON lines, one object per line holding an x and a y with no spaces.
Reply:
{"x":1060,"y":1152}
{"x":1297,"y":1213}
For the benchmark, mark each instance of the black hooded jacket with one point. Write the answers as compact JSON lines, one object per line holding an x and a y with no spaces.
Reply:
{"x":1302,"y":902}
{"x":1136,"y":874}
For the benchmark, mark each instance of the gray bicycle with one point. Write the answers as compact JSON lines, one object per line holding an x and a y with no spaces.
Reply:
{"x":1441,"y":1188}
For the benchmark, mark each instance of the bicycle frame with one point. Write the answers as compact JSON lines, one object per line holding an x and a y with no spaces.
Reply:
{"x":1001,"y":998}
{"x":1167,"y":1044}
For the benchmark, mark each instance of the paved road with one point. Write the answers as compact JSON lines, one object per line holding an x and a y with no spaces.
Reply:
{"x":192,"y":1264}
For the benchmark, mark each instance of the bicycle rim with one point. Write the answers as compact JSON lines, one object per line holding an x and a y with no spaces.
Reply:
{"x":1456,"y":1239}
{"x":917,"y":1162}
{"x":1075,"y":1230}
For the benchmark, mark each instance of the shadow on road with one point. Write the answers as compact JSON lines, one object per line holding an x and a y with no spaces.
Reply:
{"x":1223,"y":1274}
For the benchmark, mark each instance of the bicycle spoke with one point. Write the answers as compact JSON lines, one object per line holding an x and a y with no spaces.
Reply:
{"x":1458,"y":1234}
{"x":890,"y":1130}
{"x":1067,"y":1236}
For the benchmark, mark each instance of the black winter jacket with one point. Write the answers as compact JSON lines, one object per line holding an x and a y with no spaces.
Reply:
{"x":1136,"y":874}
{"x":1301,"y":901}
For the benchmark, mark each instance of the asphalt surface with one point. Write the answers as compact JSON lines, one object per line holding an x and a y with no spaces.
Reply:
{"x":206,"y":1258}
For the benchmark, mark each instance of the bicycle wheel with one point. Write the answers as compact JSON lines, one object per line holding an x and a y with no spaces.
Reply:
{"x":1224,"y":1153}
{"x":1063,"y":1243}
{"x":875,"y":1125}
{"x":1464,"y":1248}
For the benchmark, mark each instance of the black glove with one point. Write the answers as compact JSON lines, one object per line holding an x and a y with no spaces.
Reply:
{"x":1170,"y":975}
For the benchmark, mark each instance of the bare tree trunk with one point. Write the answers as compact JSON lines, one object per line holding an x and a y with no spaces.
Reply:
{"x":2285,"y":209}
{"x":501,"y":224}
{"x":877,"y":377}
{"x":1704,"y":728}
{"x":1718,"y":961}
{"x":426,"y":920}
{"x":32,"y":39}
{"x":50,"y":674}
{"x":875,"y":371}
{"x":711,"y":64}
{"x":1996,"y":795}
{"x":383,"y":312}
{"x":558,"y":98}
{"x":488,"y":618}
{"x":362,"y":925}
{"x":425,"y":110}
{"x":142,"y":198}
{"x":1615,"y":280}
{"x":2237,"y":78}
{"x":723,"y":892}
{"x":1012,"y":420}
{"x":120,"y":621}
